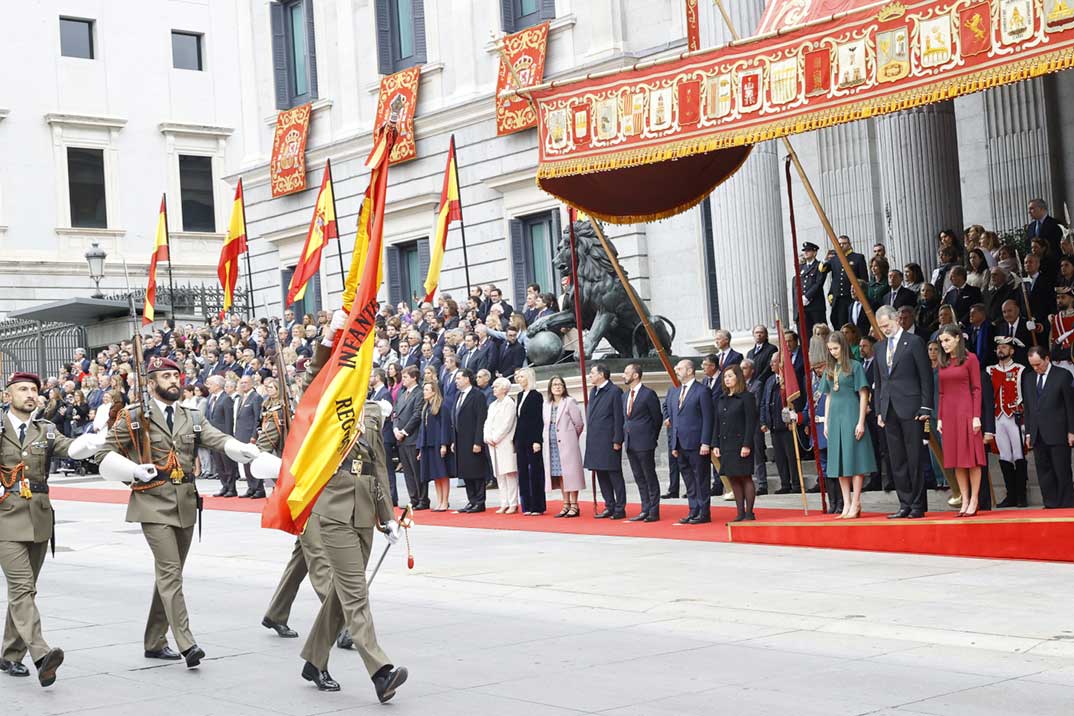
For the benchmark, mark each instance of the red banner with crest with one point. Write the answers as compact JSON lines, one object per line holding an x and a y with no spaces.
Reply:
{"x":526,"y":51}
{"x":873,"y":58}
{"x":401,"y":90}
{"x":287,"y":168}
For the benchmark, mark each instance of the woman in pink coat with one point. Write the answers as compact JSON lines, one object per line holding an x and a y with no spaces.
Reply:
{"x":563,"y":459}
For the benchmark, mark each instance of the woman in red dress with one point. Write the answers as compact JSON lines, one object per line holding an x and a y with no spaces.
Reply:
{"x":960,"y":416}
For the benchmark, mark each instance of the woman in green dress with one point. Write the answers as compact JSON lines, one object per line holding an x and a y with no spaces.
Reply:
{"x":850,"y":449}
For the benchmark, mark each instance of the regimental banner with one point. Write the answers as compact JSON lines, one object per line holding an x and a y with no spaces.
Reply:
{"x":873,"y":60}
{"x":287,"y":169}
{"x":693,"y":27}
{"x":403,"y":85}
{"x":526,"y":50}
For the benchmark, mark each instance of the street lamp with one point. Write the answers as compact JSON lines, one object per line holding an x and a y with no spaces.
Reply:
{"x":95,"y":258}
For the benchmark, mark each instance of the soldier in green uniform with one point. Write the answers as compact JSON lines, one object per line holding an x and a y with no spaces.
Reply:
{"x":308,"y":554}
{"x":27,"y":445}
{"x":164,"y":499}
{"x":354,"y":502}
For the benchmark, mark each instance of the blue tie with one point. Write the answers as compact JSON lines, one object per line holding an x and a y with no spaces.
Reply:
{"x":1040,"y":385}
{"x":1038,"y":227}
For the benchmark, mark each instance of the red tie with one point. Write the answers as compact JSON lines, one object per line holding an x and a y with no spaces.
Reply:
{"x":630,"y":403}
{"x":682,"y":396}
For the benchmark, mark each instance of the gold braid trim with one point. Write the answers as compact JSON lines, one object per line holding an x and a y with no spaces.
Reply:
{"x":8,"y":478}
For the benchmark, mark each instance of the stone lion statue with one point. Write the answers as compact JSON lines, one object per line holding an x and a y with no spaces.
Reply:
{"x":607,"y":312}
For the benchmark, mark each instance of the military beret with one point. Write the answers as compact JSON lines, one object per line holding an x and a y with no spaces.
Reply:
{"x":156,"y":363}
{"x":23,"y":377}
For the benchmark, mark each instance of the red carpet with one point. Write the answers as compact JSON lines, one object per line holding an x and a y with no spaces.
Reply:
{"x":1005,"y":534}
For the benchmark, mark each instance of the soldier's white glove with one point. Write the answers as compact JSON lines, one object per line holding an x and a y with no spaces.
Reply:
{"x":266,"y":466}
{"x":87,"y":445}
{"x":339,"y":319}
{"x":392,"y":532}
{"x":2,"y":490}
{"x":241,"y":452}
{"x":117,"y":468}
{"x":1031,"y":325}
{"x":100,"y":419}
{"x":789,"y":416}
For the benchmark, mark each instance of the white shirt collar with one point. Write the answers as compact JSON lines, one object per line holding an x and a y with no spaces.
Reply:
{"x":15,"y":422}
{"x":463,"y":394}
{"x":687,"y":384}
{"x":897,"y":337}
{"x":161,"y":405}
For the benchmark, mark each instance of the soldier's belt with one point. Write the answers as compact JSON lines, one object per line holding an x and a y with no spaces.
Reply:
{"x":40,"y":488}
{"x":360,"y":467}
{"x":143,"y":486}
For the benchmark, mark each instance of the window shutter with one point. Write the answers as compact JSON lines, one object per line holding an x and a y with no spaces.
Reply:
{"x":548,"y":9}
{"x":518,"y":262}
{"x":507,"y":11}
{"x":423,"y":263}
{"x":279,"y":56}
{"x":395,"y":276}
{"x":311,"y":49}
{"x":419,"y":33}
{"x":384,"y":37}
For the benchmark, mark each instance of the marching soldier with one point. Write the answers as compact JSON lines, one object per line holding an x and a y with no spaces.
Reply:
{"x":27,"y":446}
{"x":355,"y":500}
{"x":163,"y":496}
{"x":812,"y":289}
{"x":308,"y":554}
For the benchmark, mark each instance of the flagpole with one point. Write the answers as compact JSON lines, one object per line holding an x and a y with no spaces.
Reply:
{"x":168,"y":242}
{"x":249,"y":271}
{"x":792,"y":427}
{"x":339,"y":236}
{"x":462,"y":223}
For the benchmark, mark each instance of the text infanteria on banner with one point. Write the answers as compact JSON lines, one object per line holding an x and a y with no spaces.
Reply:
{"x":402,"y":85}
{"x":288,"y":165}
{"x":526,"y":50}
{"x":868,"y":61}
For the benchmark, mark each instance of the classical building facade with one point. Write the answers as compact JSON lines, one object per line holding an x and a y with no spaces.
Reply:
{"x":104,"y":106}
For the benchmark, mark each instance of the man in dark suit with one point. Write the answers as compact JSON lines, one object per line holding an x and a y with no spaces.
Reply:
{"x":496,"y":300}
{"x":898,"y":295}
{"x":220,"y":414}
{"x":1041,"y":292}
{"x":903,"y":401}
{"x":858,"y":318}
{"x":725,"y":354}
{"x":408,"y":355}
{"x":760,"y":456}
{"x":867,"y":346}
{"x":471,"y":457}
{"x":690,"y":414}
{"x":979,"y":332}
{"x":840,"y":290}
{"x":641,"y":430}
{"x":247,"y":416}
{"x":998,"y":291}
{"x":812,"y":287}
{"x":428,"y":359}
{"x":773,"y":418}
{"x":906,"y":322}
{"x":383,"y":397}
{"x":604,"y":441}
{"x":407,"y":420}
{"x":512,"y":355}
{"x":467,"y":353}
{"x":531,"y":310}
{"x":761,"y":353}
{"x":1048,"y":401}
{"x":1044,"y":226}
{"x":962,"y":295}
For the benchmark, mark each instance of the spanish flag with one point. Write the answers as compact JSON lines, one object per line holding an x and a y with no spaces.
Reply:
{"x":322,"y":229}
{"x":329,"y":416}
{"x":450,"y":210}
{"x":160,"y":252}
{"x":234,"y":247}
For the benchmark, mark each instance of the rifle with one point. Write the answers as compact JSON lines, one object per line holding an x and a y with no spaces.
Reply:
{"x":141,"y":385}
{"x":281,"y":377}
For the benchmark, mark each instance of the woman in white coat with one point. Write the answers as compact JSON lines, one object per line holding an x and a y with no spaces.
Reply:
{"x":499,"y":436}
{"x":563,"y":454}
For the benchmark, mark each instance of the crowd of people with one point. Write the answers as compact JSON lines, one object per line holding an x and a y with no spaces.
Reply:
{"x":963,"y":363}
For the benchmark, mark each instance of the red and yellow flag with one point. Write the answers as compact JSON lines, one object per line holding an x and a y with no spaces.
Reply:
{"x":322,"y":229}
{"x":450,"y":210}
{"x":160,"y":253}
{"x":234,"y":247}
{"x":329,"y":416}
{"x":791,"y":390}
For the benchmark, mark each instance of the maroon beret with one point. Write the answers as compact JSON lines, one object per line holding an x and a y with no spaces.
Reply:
{"x":157,"y":363}
{"x":25,"y":378}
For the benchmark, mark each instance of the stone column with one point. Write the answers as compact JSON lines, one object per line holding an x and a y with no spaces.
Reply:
{"x":747,"y":220}
{"x":1004,"y":154}
{"x":919,"y":181}
{"x":848,"y":184}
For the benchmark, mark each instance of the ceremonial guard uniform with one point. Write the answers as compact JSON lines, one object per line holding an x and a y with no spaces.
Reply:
{"x":1062,"y":328}
{"x":308,"y":554}
{"x":812,"y":290}
{"x":26,"y":525}
{"x":355,"y":500}
{"x":165,"y":500}
{"x":1006,"y":379}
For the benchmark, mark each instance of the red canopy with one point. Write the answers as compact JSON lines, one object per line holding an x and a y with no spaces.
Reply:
{"x":652,"y":141}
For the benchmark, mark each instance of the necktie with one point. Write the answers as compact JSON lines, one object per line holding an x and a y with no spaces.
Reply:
{"x":1040,"y":385}
{"x":891,"y":353}
{"x":682,"y":396}
{"x":22,"y":433}
{"x":630,"y":403}
{"x":169,"y":412}
{"x":1038,"y":228}
{"x":723,"y":357}
{"x":458,"y":404}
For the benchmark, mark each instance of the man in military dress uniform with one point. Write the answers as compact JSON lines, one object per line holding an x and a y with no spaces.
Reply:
{"x":308,"y":555}
{"x":355,"y":500}
{"x":27,"y":445}
{"x":840,"y":290}
{"x":1006,"y":376}
{"x":1062,"y":328}
{"x":812,"y":289}
{"x":164,"y":499}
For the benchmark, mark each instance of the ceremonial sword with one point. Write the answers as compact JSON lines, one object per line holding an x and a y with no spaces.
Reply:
{"x":406,"y":521}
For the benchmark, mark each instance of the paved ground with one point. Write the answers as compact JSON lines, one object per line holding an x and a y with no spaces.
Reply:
{"x":532,"y":624}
